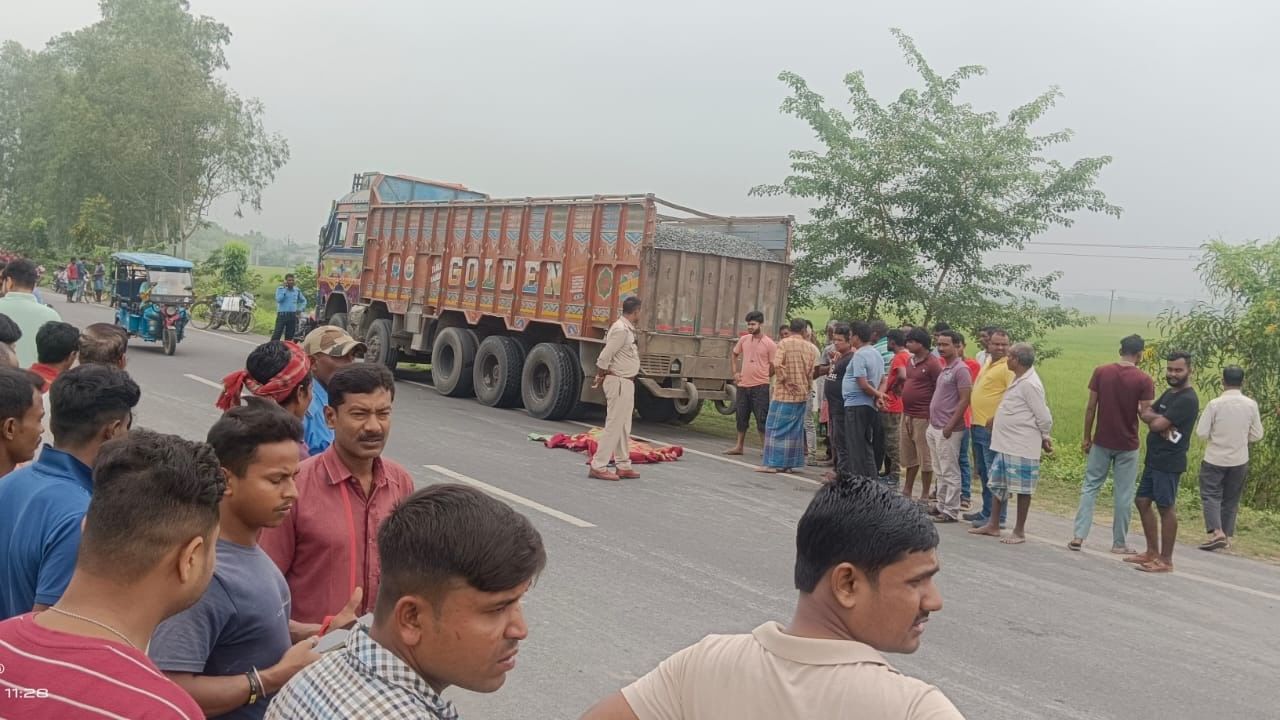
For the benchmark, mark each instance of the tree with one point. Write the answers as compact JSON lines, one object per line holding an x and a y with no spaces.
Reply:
{"x":94,"y":229}
{"x":1241,"y":327}
{"x":131,"y":108}
{"x":912,"y":195}
{"x":234,"y":270}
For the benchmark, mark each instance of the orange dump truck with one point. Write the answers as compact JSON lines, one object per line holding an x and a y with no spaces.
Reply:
{"x":509,"y":299}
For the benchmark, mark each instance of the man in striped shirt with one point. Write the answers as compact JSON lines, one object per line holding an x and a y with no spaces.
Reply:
{"x":147,"y":552}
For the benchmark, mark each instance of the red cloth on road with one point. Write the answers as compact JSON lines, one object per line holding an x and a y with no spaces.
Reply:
{"x":641,"y":452}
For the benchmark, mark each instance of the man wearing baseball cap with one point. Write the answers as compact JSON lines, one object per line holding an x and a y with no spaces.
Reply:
{"x":331,"y":349}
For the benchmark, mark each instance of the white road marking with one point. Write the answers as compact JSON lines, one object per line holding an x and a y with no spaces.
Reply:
{"x":225,"y":336}
{"x":719,"y":458}
{"x":203,"y":381}
{"x":506,"y":495}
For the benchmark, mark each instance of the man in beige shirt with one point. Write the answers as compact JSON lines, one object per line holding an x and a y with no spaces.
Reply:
{"x":1229,"y":424}
{"x":616,"y":370}
{"x":865,"y":562}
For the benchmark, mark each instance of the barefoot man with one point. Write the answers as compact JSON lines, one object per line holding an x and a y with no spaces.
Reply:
{"x":1020,"y":432}
{"x":750,"y":362}
{"x":784,"y":440}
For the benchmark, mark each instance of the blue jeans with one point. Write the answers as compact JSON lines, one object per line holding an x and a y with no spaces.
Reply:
{"x":1124,"y":465}
{"x":983,"y":457}
{"x":966,"y":475}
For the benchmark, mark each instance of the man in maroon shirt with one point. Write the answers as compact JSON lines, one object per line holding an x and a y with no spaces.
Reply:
{"x":147,"y":553}
{"x":327,"y":545}
{"x":915,"y":382}
{"x":1118,"y":393}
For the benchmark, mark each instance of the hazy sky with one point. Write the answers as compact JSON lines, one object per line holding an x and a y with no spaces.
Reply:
{"x":681,"y":99}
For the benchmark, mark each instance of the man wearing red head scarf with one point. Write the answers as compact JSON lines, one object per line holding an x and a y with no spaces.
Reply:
{"x":279,"y":371}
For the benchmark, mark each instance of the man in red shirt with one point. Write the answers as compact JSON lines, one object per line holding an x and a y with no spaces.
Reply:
{"x":84,"y":656}
{"x":57,"y":348}
{"x":915,"y":382}
{"x":750,"y":362}
{"x":327,"y":545}
{"x":891,"y":408}
{"x":1118,"y":393}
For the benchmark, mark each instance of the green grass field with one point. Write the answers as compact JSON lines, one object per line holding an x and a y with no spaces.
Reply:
{"x":1066,"y":379}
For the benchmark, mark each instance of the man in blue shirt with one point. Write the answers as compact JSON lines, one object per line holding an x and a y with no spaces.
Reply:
{"x":289,"y":302}
{"x":861,"y":396}
{"x":42,"y":504}
{"x":331,"y":349}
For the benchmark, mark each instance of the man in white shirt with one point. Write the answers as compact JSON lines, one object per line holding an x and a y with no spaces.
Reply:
{"x":1019,"y":434}
{"x":1229,"y":424}
{"x":865,"y":561}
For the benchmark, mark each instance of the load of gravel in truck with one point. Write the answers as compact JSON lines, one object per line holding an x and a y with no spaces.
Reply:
{"x":671,"y":236}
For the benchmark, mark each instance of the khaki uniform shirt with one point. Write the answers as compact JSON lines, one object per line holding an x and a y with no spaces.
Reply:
{"x":620,"y":355}
{"x":769,"y":675}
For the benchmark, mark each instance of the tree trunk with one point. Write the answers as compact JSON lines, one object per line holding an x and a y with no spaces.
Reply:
{"x":932,"y":305}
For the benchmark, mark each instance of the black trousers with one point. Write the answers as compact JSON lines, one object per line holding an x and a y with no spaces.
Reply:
{"x":860,"y":422}
{"x":286,"y":326}
{"x":836,"y":432}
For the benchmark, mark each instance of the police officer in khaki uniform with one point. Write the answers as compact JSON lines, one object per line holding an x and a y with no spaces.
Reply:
{"x":617,"y":368}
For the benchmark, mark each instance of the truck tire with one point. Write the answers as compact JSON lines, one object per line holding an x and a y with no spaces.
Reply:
{"x":551,"y":381}
{"x":684,"y":418}
{"x":338,"y":320}
{"x":726,"y":407}
{"x":498,"y":367}
{"x":453,"y":356}
{"x":379,"y":343}
{"x":654,"y":409}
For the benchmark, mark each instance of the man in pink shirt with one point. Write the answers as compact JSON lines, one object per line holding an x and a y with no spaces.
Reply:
{"x":751,"y":361}
{"x":147,"y":552}
{"x":328,"y":544}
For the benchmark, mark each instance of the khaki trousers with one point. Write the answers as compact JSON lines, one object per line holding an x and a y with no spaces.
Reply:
{"x":620,"y":404}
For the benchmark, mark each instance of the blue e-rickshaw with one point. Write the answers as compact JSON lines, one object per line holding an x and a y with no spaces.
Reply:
{"x":152,"y":294}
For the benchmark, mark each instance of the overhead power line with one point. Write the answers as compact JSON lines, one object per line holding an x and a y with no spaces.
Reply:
{"x":1097,"y":256}
{"x":1119,"y":246}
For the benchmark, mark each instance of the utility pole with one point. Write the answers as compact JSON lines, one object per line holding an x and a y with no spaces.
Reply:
{"x":1111,"y":307}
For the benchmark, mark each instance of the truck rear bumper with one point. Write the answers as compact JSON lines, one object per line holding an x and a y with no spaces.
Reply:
{"x":683,"y":390}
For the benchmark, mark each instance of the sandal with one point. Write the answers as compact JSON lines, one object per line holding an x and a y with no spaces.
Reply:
{"x":1123,"y":550}
{"x":1141,"y":559}
{"x":1214,"y":544}
{"x":1155,"y":566}
{"x":1075,"y":544}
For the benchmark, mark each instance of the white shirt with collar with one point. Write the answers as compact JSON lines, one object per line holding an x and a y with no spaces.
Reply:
{"x":1229,"y":423}
{"x":1022,"y":421}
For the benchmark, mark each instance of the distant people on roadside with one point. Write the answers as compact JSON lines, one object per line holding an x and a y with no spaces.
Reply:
{"x":917,"y":380}
{"x":751,"y":364}
{"x":1170,"y":421}
{"x":104,"y":344}
{"x":946,"y":425}
{"x":330,"y":349}
{"x":824,"y":456}
{"x":784,"y":438}
{"x":838,"y":359}
{"x":784,"y":331}
{"x":290,"y":300}
{"x":324,"y":546}
{"x":984,"y":338}
{"x":811,"y":410}
{"x":966,"y":467}
{"x":616,"y":371}
{"x":73,"y":279}
{"x":21,"y":417}
{"x":938,"y":329}
{"x":42,"y":504}
{"x":57,"y":348}
{"x":450,"y":617}
{"x":860,"y":390}
{"x":1230,"y":423}
{"x":10,"y":333}
{"x":236,"y":647}
{"x":1019,"y":433}
{"x":22,"y":307}
{"x":879,"y":329}
{"x":891,"y":408}
{"x":147,"y":554}
{"x":988,"y":390}
{"x":1118,"y":393}
{"x":277,"y":371}
{"x":865,"y":562}
{"x":99,"y":274}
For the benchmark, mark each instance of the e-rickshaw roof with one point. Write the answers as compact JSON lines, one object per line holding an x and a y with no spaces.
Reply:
{"x":153,"y":261}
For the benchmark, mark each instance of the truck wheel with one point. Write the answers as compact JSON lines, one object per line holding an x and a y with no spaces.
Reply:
{"x":551,"y":381}
{"x":453,"y":356}
{"x":684,"y":418}
{"x":726,"y":407}
{"x":498,"y":367}
{"x":654,"y":409}
{"x":379,"y":346}
{"x":338,"y":320}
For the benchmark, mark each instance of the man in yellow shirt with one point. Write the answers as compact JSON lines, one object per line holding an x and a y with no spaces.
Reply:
{"x":988,"y":390}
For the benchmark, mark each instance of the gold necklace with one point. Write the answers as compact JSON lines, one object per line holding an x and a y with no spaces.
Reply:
{"x":102,"y":625}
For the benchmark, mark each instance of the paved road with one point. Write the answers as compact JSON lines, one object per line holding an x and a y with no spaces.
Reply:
{"x":642,"y":568}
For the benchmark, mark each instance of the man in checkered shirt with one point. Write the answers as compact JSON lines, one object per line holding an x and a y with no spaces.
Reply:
{"x":451,"y":616}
